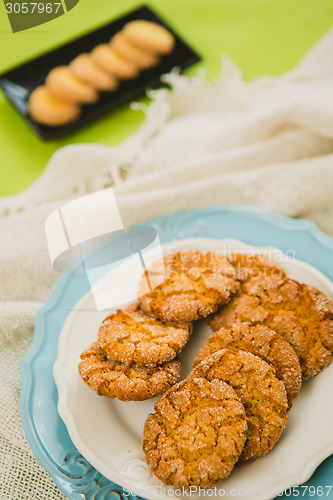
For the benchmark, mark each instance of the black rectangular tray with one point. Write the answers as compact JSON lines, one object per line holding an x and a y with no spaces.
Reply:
{"x":18,"y":83}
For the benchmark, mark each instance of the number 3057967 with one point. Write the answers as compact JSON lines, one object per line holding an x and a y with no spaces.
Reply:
{"x":31,"y":7}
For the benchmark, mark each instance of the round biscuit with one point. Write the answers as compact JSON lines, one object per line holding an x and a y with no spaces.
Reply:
{"x":143,"y":59}
{"x":196,"y":434}
{"x":64,"y":84}
{"x":262,"y":394}
{"x":195,"y":285}
{"x":263,"y":342}
{"x":85,"y":69}
{"x":300,"y":313}
{"x":123,"y":381}
{"x":251,"y":269}
{"x":47,"y":109}
{"x":149,"y":36}
{"x":131,"y":336}
{"x":108,"y":59}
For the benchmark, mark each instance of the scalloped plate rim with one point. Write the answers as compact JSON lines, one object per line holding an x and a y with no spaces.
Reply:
{"x":26,"y":371}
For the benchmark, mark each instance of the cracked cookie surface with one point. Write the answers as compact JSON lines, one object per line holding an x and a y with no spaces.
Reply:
{"x":125,"y":382}
{"x":131,"y":336}
{"x":196,"y":434}
{"x":263,"y":342}
{"x":251,"y":269}
{"x":300,"y":313}
{"x":262,"y":394}
{"x":195,"y":285}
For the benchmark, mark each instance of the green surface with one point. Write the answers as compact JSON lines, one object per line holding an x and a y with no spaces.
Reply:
{"x":262,"y":36}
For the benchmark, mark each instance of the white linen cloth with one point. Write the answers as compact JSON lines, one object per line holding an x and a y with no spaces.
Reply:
{"x":267,"y":143}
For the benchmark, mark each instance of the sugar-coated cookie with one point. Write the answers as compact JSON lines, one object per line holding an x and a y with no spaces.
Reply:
{"x":143,"y":59}
{"x":126,"y":382}
{"x":86,"y":69}
{"x":64,"y":84}
{"x":196,"y":434}
{"x":250,"y":269}
{"x":108,"y":59}
{"x":263,"y":342}
{"x":47,"y":109}
{"x":195,"y":285}
{"x":149,"y":36}
{"x":261,"y":392}
{"x":131,"y":336}
{"x":300,"y":313}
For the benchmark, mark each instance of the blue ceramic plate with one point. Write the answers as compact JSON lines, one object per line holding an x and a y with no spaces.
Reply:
{"x":46,"y":432}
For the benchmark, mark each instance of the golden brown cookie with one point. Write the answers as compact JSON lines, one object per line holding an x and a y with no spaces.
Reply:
{"x":85,"y":69}
{"x":301,"y":314}
{"x":262,"y":342}
{"x":109,"y":60}
{"x":143,"y":59}
{"x":196,"y":434}
{"x":65,"y":85}
{"x":49,"y":110}
{"x":261,"y":392}
{"x":250,"y":269}
{"x":131,"y":336}
{"x":195,"y":285}
{"x":149,"y":36}
{"x":125,"y":382}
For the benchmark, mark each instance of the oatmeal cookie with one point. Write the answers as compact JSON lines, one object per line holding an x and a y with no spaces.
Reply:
{"x":261,"y":392}
{"x":196,"y":434}
{"x":262,"y":342}
{"x":125,"y":382}
{"x":131,"y":336}
{"x":300,"y":313}
{"x":195,"y":285}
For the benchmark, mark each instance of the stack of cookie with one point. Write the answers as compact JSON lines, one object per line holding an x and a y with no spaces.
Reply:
{"x":232,"y":407}
{"x":270,"y":333}
{"x":300,"y":313}
{"x":135,"y":355}
{"x":138,"y":46}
